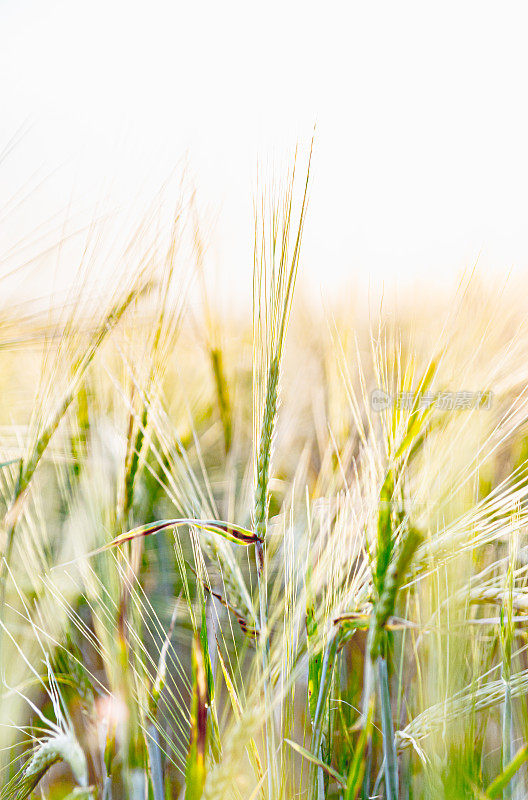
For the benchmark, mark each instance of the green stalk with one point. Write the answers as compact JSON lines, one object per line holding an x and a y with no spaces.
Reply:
{"x":156,"y":769}
{"x":265,"y":655}
{"x":132,"y":465}
{"x":506,"y":638}
{"x":388,"y":584}
{"x":314,"y":663}
{"x":365,"y":788}
{"x":327,"y":672}
{"x":389,"y":744}
{"x":507,"y":725}
{"x":261,"y":520}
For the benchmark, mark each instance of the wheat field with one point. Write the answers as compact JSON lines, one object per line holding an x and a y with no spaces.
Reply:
{"x":263,"y":556}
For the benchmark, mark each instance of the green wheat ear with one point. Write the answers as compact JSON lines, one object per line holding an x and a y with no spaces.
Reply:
{"x":274,"y":276}
{"x":264,"y":451}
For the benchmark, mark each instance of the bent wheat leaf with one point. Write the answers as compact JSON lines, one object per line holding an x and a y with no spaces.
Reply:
{"x":233,"y":533}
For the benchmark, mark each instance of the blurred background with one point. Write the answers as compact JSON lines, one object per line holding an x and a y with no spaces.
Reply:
{"x":420,"y":167}
{"x":136,"y":140}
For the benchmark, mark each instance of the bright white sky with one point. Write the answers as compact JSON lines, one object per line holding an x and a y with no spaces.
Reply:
{"x":420,"y":164}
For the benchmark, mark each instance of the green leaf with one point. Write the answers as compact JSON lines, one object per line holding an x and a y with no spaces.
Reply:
{"x":315,"y":658}
{"x":417,"y":417}
{"x":496,"y":788}
{"x":385,"y":538}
